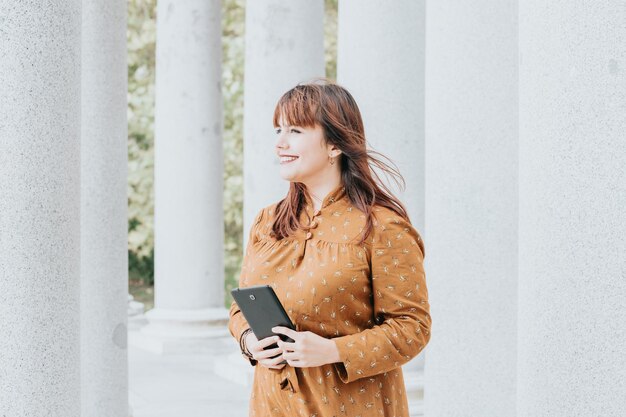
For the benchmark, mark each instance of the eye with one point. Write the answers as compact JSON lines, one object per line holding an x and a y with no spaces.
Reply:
{"x":278,"y":130}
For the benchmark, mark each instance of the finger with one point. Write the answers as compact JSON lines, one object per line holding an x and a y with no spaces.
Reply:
{"x":295,"y":363}
{"x":286,"y":331}
{"x":266,"y":365}
{"x":267,"y":353}
{"x":287,"y":346}
{"x":274,"y":362}
{"x":291,"y":356}
{"x":278,"y":360}
{"x":281,"y":366}
{"x":263,"y":343}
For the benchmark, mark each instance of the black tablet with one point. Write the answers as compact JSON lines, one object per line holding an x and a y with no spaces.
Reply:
{"x":262,"y":310}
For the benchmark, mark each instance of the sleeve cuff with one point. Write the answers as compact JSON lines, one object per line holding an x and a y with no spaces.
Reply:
{"x":344,"y":366}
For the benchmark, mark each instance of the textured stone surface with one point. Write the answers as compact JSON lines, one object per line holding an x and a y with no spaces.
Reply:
{"x":284,"y":46}
{"x":389,"y":42}
{"x":40,"y":208}
{"x":572,"y":337}
{"x":104,"y":224}
{"x":189,"y":226}
{"x":188,"y":178}
{"x":471,"y":207}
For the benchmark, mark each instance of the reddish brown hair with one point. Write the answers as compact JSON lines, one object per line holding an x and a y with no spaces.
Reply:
{"x":326,"y":104}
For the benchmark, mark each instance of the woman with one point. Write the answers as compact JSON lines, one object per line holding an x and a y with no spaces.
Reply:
{"x":345,"y":262}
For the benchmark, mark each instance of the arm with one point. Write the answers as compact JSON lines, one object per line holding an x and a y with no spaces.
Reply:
{"x":400,"y":300}
{"x":237,"y":324}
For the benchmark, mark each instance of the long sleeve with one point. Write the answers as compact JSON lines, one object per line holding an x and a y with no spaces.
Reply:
{"x":237,"y":324}
{"x":400,"y":301}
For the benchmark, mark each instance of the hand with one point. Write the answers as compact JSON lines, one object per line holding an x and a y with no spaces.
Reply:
{"x":264,"y":357}
{"x":308,"y":348}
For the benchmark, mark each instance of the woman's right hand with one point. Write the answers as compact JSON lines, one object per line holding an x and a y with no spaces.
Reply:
{"x":264,"y":357}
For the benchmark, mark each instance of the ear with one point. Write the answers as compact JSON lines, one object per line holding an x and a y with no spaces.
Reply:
{"x":334,"y":151}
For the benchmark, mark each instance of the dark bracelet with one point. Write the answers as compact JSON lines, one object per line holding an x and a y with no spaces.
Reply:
{"x":245,"y":344}
{"x":242,"y":344}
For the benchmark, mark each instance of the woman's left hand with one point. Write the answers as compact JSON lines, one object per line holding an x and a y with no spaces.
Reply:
{"x":308,"y":348}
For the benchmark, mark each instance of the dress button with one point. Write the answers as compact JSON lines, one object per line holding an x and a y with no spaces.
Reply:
{"x":313,"y":224}
{"x":308,"y":235}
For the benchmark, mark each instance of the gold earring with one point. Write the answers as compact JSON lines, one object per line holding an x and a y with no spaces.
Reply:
{"x":332,"y":160}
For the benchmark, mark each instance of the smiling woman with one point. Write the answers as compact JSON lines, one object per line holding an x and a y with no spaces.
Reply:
{"x":343,"y":258}
{"x":304,"y":157}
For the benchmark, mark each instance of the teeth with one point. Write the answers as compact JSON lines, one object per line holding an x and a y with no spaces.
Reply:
{"x":288,"y":158}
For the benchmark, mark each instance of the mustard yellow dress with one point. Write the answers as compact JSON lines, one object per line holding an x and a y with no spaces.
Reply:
{"x":371,"y":299}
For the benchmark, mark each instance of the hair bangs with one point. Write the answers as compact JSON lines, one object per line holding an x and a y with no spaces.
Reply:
{"x":298,"y":107}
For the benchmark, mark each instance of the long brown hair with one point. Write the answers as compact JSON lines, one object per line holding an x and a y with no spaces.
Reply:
{"x":324,"y":103}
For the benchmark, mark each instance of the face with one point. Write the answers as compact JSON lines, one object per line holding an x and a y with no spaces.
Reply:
{"x":311,"y":164}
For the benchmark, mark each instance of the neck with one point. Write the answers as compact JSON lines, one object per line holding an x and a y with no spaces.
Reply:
{"x":319,"y":191}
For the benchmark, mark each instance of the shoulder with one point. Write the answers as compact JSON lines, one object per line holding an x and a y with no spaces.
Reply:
{"x":391,"y":229}
{"x":265,"y":213}
{"x":385,"y":219}
{"x":263,"y":221}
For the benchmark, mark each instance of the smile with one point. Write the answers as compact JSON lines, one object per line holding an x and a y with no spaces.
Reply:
{"x":287,"y":159}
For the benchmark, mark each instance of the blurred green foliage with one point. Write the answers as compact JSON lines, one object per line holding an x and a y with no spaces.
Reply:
{"x":233,"y":52}
{"x":141,"y":46}
{"x":330,"y":38}
{"x":141,"y":38}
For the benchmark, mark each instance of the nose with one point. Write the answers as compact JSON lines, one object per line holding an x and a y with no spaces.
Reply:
{"x":280,"y":141}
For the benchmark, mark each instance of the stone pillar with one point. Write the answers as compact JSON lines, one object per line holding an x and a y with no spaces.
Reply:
{"x":40,"y":208}
{"x":104,"y":222}
{"x":389,"y":42}
{"x":189,"y":227}
{"x":284,"y":46}
{"x":572,"y":189}
{"x":471,"y":207}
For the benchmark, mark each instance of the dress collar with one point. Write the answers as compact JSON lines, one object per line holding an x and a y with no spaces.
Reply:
{"x":335,"y":195}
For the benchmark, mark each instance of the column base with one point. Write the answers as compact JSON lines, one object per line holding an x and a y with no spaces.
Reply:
{"x":134,"y":307}
{"x":136,"y":317}
{"x":172,"y":331}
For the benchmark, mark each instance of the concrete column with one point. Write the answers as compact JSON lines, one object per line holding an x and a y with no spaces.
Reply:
{"x":104,"y":222}
{"x":389,"y":43}
{"x":471,"y":207}
{"x":572,"y":189}
{"x":189,"y":228}
{"x":284,"y":46}
{"x":40,"y":208}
